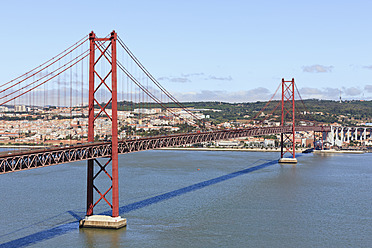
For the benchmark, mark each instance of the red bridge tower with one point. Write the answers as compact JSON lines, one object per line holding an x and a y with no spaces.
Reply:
{"x":102,"y":46}
{"x":287,"y":140}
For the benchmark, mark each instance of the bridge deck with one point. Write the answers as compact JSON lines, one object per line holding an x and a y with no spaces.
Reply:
{"x":24,"y":160}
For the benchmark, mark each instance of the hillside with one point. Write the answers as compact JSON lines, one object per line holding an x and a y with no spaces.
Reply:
{"x":326,"y":111}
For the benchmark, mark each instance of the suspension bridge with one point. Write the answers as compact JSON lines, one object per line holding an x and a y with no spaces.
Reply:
{"x":97,"y":79}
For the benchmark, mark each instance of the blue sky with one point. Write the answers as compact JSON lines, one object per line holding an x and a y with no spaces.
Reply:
{"x":209,"y":50}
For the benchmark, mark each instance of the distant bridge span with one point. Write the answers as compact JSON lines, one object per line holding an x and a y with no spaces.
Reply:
{"x":36,"y":158}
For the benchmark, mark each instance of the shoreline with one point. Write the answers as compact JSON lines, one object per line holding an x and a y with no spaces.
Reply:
{"x":338,"y":151}
{"x":259,"y":150}
{"x":226,"y":149}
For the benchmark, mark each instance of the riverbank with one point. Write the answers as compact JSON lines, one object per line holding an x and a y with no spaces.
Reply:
{"x":338,"y":151}
{"x":228,"y":149}
{"x":301,"y":150}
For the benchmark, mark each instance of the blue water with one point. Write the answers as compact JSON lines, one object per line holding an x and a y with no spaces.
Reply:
{"x":235,"y":199}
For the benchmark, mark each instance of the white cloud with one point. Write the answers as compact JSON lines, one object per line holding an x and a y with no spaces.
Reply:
{"x":352,"y":91}
{"x":368,"y":88}
{"x":185,"y":78}
{"x":193,"y":74}
{"x":317,"y":68}
{"x":175,"y":79}
{"x":333,"y":93}
{"x":323,"y":93}
{"x":229,"y":78}
{"x":257,"y":94}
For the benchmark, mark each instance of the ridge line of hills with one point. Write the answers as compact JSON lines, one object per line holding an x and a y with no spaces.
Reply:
{"x":326,"y":111}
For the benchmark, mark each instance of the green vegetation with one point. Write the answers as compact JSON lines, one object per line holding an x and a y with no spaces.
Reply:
{"x":324,"y":111}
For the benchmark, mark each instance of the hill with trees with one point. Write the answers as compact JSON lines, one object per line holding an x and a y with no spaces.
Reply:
{"x":324,"y":111}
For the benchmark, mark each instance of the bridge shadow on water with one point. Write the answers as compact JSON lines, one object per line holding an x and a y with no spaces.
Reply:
{"x":71,"y":226}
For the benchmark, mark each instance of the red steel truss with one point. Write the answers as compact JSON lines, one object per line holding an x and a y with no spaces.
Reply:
{"x":102,"y":46}
{"x":287,"y":140}
{"x":36,"y":158}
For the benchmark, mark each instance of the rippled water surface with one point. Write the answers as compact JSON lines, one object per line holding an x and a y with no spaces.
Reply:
{"x":197,"y":199}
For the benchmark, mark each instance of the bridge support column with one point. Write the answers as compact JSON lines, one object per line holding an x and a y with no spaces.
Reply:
{"x":100,"y":221}
{"x":356,"y":134}
{"x":90,"y":169}
{"x":287,"y":142}
{"x":339,"y":136}
{"x":331,"y":136}
{"x":361,"y":137}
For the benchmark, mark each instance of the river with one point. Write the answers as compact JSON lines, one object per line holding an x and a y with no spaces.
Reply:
{"x":197,"y":199}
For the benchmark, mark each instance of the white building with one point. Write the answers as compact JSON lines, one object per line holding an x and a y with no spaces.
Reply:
{"x":4,"y":109}
{"x":147,"y":111}
{"x":20,"y":108}
{"x":233,"y":143}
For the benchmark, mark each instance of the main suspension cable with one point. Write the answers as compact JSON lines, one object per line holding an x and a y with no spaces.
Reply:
{"x":155,"y":81}
{"x":81,"y":41}
{"x":152,"y":96}
{"x":44,"y":81}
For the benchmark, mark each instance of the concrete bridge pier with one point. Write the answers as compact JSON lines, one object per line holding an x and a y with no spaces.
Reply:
{"x":338,"y":141}
{"x":331,"y":136}
{"x":356,"y":133}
